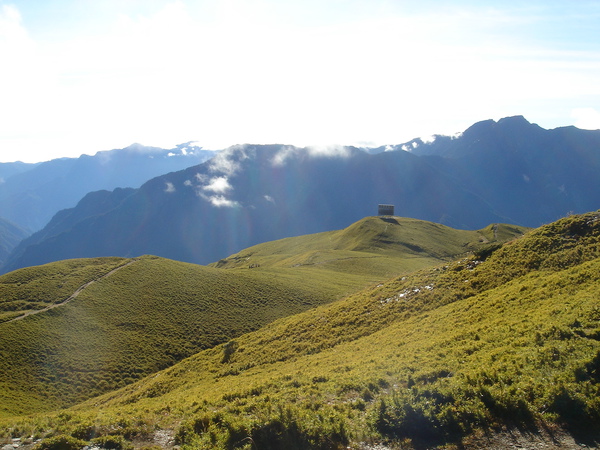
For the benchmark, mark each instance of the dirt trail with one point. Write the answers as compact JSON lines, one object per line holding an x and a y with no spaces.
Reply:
{"x":73,"y":295}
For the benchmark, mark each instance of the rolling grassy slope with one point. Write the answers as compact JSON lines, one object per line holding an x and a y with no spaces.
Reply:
{"x":37,"y":288}
{"x":75,"y":329}
{"x":425,"y":359}
{"x":381,"y":245}
{"x":142,"y":318}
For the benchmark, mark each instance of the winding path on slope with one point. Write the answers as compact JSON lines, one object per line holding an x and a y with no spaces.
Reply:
{"x":74,"y":294}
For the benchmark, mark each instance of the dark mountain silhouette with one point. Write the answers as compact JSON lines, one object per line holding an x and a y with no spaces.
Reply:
{"x":30,"y":194}
{"x":508,"y":171}
{"x":530,"y":175}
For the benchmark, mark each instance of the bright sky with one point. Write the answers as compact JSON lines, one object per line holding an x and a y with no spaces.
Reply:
{"x":80,"y":76}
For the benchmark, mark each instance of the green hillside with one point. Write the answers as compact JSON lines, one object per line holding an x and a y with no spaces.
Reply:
{"x":384,"y":246}
{"x":75,"y":329}
{"x":58,"y":350}
{"x":445,"y":355}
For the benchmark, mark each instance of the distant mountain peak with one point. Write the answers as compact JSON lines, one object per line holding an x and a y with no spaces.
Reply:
{"x":512,"y":122}
{"x":513,"y":119}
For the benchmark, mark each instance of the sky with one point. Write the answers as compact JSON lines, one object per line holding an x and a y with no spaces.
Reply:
{"x":81,"y":76}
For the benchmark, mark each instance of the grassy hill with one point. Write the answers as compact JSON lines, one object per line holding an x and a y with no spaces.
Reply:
{"x":375,"y":245}
{"x":75,"y":329}
{"x":143,"y":317}
{"x":508,"y":339}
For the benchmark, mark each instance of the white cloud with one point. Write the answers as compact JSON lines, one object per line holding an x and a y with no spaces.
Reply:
{"x":429,"y":139}
{"x":220,"y":201}
{"x":269,"y":199}
{"x":201,"y":177}
{"x":262,"y":71}
{"x":187,"y":183}
{"x":228,"y":161}
{"x":329,"y":151}
{"x":282,"y":155}
{"x":219,"y":185}
{"x":586,"y":118}
{"x":169,"y":187}
{"x":314,"y":151}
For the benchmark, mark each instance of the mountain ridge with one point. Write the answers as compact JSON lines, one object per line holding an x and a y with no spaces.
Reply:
{"x":10,"y":236}
{"x":508,"y":171}
{"x":30,"y":194}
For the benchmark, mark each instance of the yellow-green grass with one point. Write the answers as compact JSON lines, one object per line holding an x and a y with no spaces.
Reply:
{"x":422,"y":360}
{"x":142,"y":318}
{"x":39,"y":287}
{"x":379,"y":245}
{"x":133,"y":317}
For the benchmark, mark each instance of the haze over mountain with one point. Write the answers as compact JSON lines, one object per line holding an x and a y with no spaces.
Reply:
{"x":30,"y":194}
{"x":510,"y":171}
{"x":529,"y":174}
{"x":10,"y":236}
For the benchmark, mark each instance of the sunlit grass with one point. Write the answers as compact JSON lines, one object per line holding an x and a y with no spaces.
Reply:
{"x":151,"y":313}
{"x":424,"y":359}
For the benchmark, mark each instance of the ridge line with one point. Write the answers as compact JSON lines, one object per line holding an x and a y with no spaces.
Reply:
{"x":74,"y":295}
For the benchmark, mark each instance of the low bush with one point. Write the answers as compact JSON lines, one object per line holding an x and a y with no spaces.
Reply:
{"x":60,"y":442}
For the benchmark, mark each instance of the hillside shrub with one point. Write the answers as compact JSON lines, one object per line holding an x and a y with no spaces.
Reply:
{"x":229,"y":349}
{"x":288,"y":428}
{"x":112,"y":442}
{"x":397,"y":419}
{"x":60,"y":442}
{"x":84,"y":431}
{"x":481,"y":254}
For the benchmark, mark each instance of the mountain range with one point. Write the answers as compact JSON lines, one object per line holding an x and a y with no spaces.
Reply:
{"x":30,"y":194}
{"x":509,"y":171}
